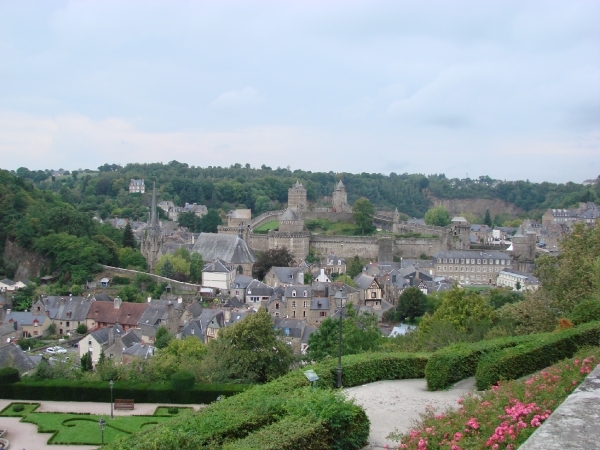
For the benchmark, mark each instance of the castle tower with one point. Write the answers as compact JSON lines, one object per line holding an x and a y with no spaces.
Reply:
{"x":460,"y":234}
{"x":297,"y":197}
{"x":340,"y":199}
{"x":152,"y":239}
{"x":396,"y":216}
{"x":523,"y":246}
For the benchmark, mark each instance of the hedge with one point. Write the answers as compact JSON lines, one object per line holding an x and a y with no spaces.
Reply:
{"x":457,"y":362}
{"x":545,"y":350}
{"x":9,"y":375}
{"x":93,"y":391}
{"x":255,"y":418}
{"x":290,"y":433}
{"x":370,"y":367}
{"x":182,"y":380}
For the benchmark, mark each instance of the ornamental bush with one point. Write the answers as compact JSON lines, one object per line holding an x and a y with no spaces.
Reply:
{"x":9,"y":375}
{"x":526,"y":358}
{"x":459,"y":361}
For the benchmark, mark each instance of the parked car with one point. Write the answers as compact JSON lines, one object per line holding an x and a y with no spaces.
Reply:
{"x":60,"y":350}
{"x":56,"y":350}
{"x":51,"y":350}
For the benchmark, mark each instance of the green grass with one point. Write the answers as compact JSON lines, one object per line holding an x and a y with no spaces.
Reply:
{"x":265,"y":227}
{"x":83,"y":429}
{"x":164,"y":410}
{"x":328,"y":228}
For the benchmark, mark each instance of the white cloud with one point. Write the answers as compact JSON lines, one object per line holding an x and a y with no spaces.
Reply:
{"x":243,"y":98}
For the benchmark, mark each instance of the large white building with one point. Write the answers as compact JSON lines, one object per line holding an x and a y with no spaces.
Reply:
{"x":471,"y":266}
{"x":517,"y":281}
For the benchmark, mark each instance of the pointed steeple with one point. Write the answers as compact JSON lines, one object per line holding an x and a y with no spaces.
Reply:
{"x":153,"y":214}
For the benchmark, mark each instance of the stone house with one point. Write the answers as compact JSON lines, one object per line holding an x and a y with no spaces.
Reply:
{"x":159,"y":313}
{"x":117,"y":312}
{"x":334,"y":264}
{"x":258,"y":292}
{"x":100,"y":340}
{"x":8,"y":332}
{"x":26,"y":323}
{"x":137,"y":186}
{"x":238,"y":286}
{"x":471,"y":266}
{"x":517,"y":281}
{"x":67,"y":313}
{"x":238,"y":217}
{"x":294,"y":332}
{"x":284,"y":276}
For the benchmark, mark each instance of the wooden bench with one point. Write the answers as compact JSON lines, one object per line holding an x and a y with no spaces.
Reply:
{"x":124,"y":403}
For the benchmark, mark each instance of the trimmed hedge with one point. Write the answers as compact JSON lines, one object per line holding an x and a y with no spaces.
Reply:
{"x":290,"y":433}
{"x":182,"y":380}
{"x":370,"y":367}
{"x":457,"y":362}
{"x":93,"y":391}
{"x":9,"y":375}
{"x":545,"y":350}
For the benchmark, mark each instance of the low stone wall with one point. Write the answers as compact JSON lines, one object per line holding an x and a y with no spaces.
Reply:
{"x":176,"y":284}
{"x":346,"y":246}
{"x":264,"y":218}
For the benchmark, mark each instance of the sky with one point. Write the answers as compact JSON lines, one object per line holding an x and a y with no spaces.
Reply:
{"x":509,"y":89}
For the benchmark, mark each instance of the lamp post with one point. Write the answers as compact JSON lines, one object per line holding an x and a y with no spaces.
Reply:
{"x":102,"y":425}
{"x":340,"y":301}
{"x":111,"y":384}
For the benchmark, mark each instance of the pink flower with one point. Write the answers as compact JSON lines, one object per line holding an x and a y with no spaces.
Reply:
{"x":458,"y":436}
{"x":473,"y":423}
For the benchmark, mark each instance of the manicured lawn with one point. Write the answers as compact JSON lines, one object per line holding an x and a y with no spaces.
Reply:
{"x":164,"y":410}
{"x":71,"y":429}
{"x":272,"y":225}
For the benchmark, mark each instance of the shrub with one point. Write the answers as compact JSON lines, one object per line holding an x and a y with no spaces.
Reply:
{"x":182,"y":380}
{"x":545,"y":350}
{"x":9,"y":375}
{"x":173,"y":410}
{"x":81,"y":328}
{"x":459,"y":361}
{"x":121,"y":280}
{"x":586,"y":311}
{"x":18,"y":407}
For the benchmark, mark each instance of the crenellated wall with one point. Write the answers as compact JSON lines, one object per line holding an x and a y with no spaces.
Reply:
{"x":346,"y":246}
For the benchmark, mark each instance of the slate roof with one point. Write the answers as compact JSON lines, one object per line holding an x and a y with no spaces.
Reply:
{"x":259,"y":288}
{"x":217,"y":266}
{"x":363,"y":281}
{"x":290,"y":327}
{"x":299,"y":288}
{"x":319,"y":304}
{"x":494,"y":254}
{"x":308,"y":330}
{"x":127,"y":314}
{"x":23,"y":318}
{"x":289,"y":214}
{"x":140,"y":350}
{"x":102,"y":297}
{"x":7,"y":328}
{"x":340,"y":185}
{"x":7,"y":282}
{"x":195,"y":309}
{"x":11,"y":355}
{"x":286,"y":274}
{"x":459,"y":219}
{"x":234,"y":302}
{"x":73,"y":308}
{"x":194,"y":328}
{"x":241,"y":282}
{"x":228,"y":247}
{"x":102,"y":335}
{"x":131,"y":337}
{"x":156,"y":310}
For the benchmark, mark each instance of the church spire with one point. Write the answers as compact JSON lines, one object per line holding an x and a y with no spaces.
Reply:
{"x":153,"y":215}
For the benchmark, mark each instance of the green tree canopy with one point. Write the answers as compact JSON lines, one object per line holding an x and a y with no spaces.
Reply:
{"x":128,"y":237}
{"x":249,"y":351}
{"x":438,"y":216}
{"x":412,"y":303}
{"x":363,"y":212}
{"x":278,"y":257}
{"x":356,"y":267}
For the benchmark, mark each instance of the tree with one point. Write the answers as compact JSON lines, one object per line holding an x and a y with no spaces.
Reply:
{"x":412,"y":303}
{"x":438,"y":216}
{"x":356,"y":267}
{"x":249,"y":351}
{"x":196,"y":265}
{"x":81,"y":329}
{"x":278,"y":257}
{"x":166,"y":269}
{"x":86,"y":362}
{"x":162,"y":337}
{"x":128,"y":237}
{"x":360,"y":333}
{"x":210,"y":221}
{"x":488,"y":219}
{"x":574,"y":275}
{"x":130,"y":258}
{"x":363,"y":212}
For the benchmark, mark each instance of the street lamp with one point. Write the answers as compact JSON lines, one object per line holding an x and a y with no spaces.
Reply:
{"x":340,"y":302}
{"x":111,"y":384}
{"x":102,"y":425}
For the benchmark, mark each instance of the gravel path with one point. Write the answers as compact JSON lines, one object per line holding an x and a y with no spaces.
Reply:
{"x":396,"y":405}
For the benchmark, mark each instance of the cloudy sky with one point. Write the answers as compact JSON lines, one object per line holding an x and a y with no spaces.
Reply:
{"x":509,"y":89}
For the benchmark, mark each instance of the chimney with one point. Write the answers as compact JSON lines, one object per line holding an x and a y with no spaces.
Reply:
{"x":117,"y":302}
{"x":300,"y":277}
{"x":213,"y":265}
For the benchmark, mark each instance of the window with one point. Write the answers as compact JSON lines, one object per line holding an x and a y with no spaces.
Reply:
{"x":373,"y":294}
{"x":462,"y":269}
{"x":305,"y":293}
{"x":478,"y":261}
{"x":472,"y":261}
{"x":303,"y":313}
{"x":68,"y":324}
{"x":444,"y":268}
{"x":276,"y":305}
{"x":293,"y":304}
{"x":294,"y":293}
{"x":323,"y":314}
{"x":35,"y":333}
{"x":485,"y":261}
{"x":445,"y":260}
{"x":293,"y":313}
{"x":304,"y":305}
{"x":462,"y":261}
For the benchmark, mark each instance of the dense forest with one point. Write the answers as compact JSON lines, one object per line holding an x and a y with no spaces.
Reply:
{"x":105,"y":191}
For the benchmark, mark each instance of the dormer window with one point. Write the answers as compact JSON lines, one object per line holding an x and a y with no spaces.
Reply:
{"x":294,"y":293}
{"x":305,"y":293}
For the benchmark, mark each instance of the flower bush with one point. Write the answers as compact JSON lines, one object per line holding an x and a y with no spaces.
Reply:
{"x":503,"y":417}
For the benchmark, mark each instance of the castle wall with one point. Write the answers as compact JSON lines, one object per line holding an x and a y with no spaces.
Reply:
{"x":415,"y":247}
{"x":258,"y":242}
{"x":346,"y":246}
{"x":265,"y":217}
{"x":327,"y":214}
{"x":297,"y":243}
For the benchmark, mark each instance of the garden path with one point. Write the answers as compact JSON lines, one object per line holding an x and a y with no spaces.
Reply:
{"x":396,"y":404}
